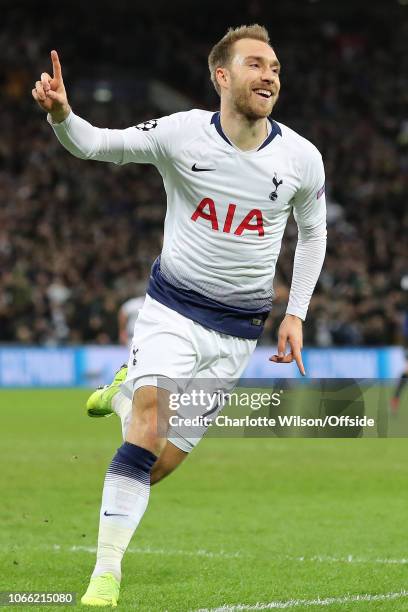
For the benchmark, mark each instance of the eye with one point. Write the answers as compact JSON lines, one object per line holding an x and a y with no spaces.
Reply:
{"x":254,"y":65}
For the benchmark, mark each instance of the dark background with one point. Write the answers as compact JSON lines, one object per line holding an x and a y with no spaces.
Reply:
{"x":77,"y":239}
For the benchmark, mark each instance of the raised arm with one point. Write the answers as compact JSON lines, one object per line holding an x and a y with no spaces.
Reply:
{"x":50,"y":92}
{"x":149,"y":142}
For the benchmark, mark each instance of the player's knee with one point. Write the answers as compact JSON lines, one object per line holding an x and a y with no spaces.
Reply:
{"x":145,"y":402}
{"x":148,"y":426}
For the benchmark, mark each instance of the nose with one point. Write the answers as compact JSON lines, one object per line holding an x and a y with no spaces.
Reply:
{"x":269,"y":76}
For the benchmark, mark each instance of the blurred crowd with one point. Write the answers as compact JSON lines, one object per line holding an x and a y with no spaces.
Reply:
{"x":78,"y":238}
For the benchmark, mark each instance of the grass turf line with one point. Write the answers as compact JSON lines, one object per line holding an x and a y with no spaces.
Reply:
{"x":270,"y":500}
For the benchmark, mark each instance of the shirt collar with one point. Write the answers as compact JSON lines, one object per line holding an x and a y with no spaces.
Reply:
{"x":275,"y":130}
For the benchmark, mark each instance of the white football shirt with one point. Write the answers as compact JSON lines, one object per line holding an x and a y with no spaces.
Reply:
{"x":226,"y":213}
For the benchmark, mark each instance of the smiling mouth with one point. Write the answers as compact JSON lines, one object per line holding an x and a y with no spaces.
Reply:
{"x":263,"y":93}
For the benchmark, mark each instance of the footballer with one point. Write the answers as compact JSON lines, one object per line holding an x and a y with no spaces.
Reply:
{"x":232,"y":178}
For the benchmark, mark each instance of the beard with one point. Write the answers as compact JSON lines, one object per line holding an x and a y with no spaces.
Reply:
{"x":246,"y":105}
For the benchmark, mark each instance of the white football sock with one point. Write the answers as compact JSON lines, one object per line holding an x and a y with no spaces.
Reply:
{"x":124,"y":501}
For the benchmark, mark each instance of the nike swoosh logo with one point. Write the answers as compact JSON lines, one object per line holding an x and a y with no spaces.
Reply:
{"x":195,"y":169}
{"x":113,"y":514}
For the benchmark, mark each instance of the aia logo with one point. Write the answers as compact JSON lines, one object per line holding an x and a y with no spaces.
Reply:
{"x":253,"y":221}
{"x":274,"y":194}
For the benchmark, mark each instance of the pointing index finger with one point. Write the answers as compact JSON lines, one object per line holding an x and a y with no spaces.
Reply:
{"x":56,"y":66}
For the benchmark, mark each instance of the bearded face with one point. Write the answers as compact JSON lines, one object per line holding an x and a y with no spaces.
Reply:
{"x":253,"y":100}
{"x":253,"y":79}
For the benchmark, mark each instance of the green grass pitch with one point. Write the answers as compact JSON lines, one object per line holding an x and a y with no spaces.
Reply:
{"x":242,"y":521}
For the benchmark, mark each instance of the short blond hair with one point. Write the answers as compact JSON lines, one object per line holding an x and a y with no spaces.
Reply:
{"x":220,"y":54}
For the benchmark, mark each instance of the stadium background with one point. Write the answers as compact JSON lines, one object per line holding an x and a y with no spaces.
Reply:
{"x":318,"y":521}
{"x":77,"y":239}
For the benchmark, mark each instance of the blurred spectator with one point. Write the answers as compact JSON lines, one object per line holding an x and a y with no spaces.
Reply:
{"x":78,"y":238}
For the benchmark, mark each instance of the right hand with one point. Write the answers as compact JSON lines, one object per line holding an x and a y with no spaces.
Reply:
{"x":50,"y":92}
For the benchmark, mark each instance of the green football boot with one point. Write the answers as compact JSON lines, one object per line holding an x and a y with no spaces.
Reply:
{"x":102,"y":591}
{"x":99,"y":403}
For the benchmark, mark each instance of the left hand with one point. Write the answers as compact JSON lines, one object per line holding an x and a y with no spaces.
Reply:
{"x":290,"y":331}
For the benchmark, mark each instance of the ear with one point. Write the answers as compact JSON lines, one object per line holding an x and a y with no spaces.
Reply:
{"x":222,"y":76}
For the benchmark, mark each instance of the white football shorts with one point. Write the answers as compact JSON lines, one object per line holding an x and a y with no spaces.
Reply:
{"x":171,"y":351}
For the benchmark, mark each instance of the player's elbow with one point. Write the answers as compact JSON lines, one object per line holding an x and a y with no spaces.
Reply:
{"x":79,"y":153}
